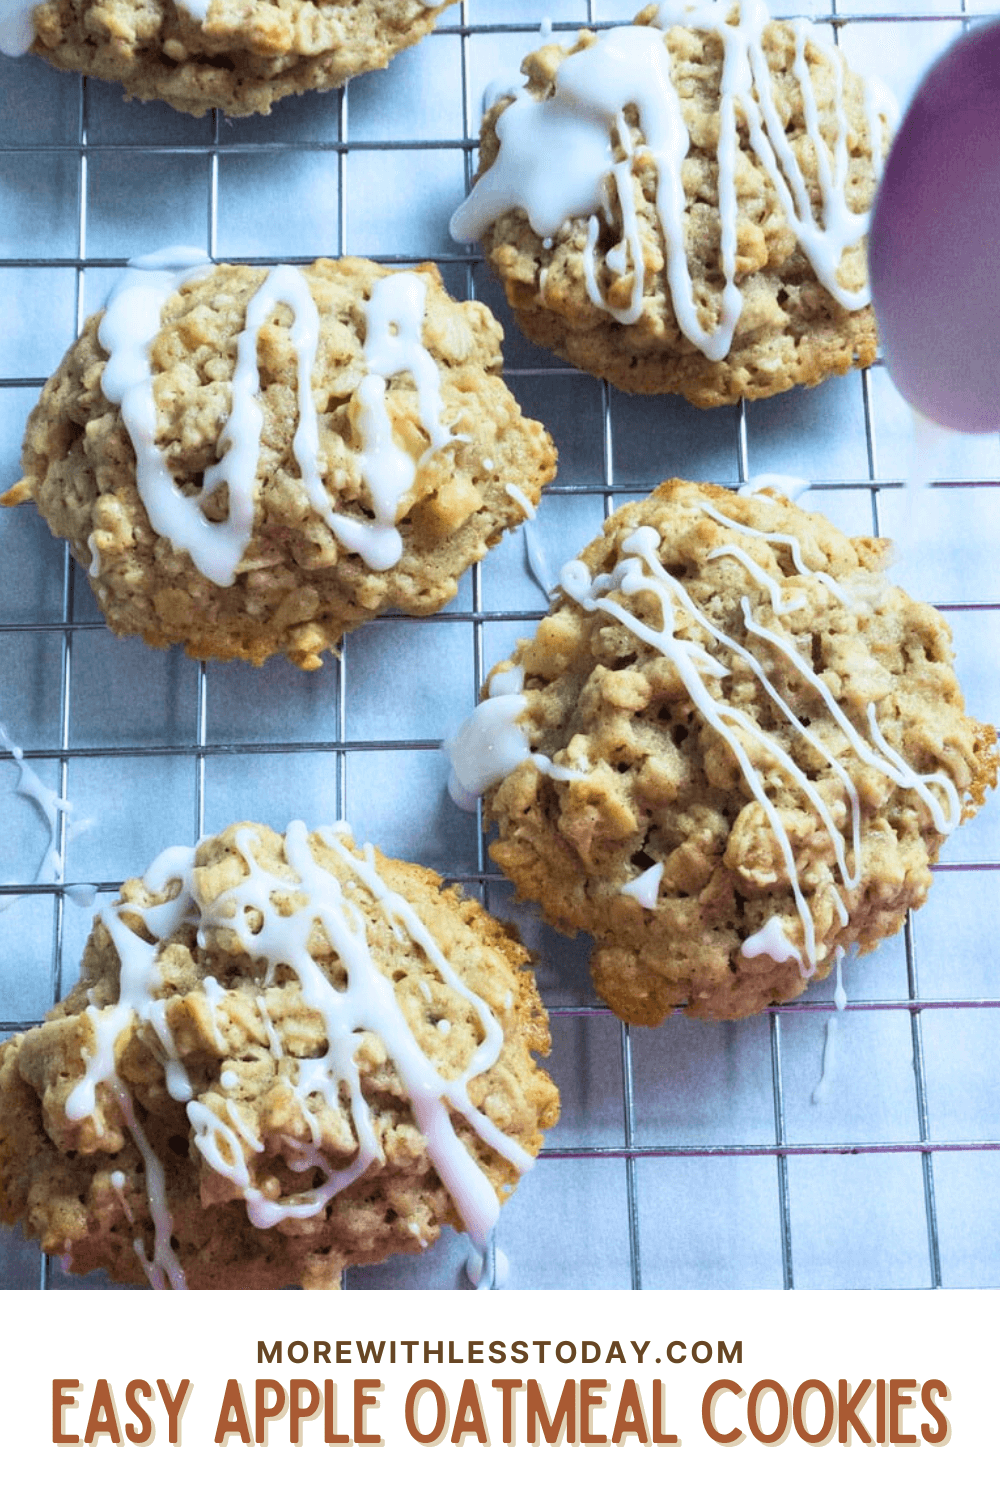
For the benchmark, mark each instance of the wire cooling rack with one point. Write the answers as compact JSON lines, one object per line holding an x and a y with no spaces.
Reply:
{"x":689,"y":1156}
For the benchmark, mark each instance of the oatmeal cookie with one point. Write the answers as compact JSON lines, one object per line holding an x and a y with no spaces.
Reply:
{"x":217,"y":54}
{"x":213,"y":507}
{"x":732,"y":748}
{"x":284,"y":1056}
{"x":680,"y":205}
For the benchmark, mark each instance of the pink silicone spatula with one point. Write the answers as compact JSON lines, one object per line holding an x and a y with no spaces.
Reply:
{"x":934,"y":241}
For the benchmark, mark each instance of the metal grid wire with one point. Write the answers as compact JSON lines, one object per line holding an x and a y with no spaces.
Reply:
{"x":685,"y":1156}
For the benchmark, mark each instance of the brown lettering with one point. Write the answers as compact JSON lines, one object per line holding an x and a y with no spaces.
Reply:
{"x":753,"y":1412}
{"x":175,"y":1405}
{"x":298,"y":1411}
{"x":659,"y":1436}
{"x":508,"y":1387}
{"x":898,"y":1401}
{"x":239,"y":1423}
{"x":61,"y":1399}
{"x":144,"y":1431}
{"x":799,"y":1407}
{"x":938,"y":1433}
{"x":330,"y":1433}
{"x":362,"y":1401}
{"x":470,"y":1416}
{"x":708,"y":1412}
{"x":848,"y":1406}
{"x":631,"y":1418}
{"x":410,"y":1411}
{"x":590,"y":1397}
{"x":564,"y":1415}
{"x":103,"y":1419}
{"x":265,"y":1411}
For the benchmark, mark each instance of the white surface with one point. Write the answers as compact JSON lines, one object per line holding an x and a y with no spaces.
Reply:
{"x":711,"y":1220}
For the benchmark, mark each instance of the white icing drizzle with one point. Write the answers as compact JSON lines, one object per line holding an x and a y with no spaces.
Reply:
{"x":888,"y":763}
{"x":228,"y":1078}
{"x":164,"y":1262}
{"x":139,"y":978}
{"x":215,"y":547}
{"x":789,"y":485}
{"x":511,"y":86}
{"x":118,"y":1181}
{"x":822,"y":1088}
{"x":214,"y":993}
{"x":17,"y":26}
{"x":838,"y":906}
{"x":108,"y":1024}
{"x":559,"y":158}
{"x":242,"y":1128}
{"x":417,"y":1233}
{"x":491,"y":743}
{"x":478,"y":1269}
{"x":49,"y":804}
{"x":367,"y":1003}
{"x":904,"y":776}
{"x":220,"y":1147}
{"x":537,"y":561}
{"x":518,"y":494}
{"x":503,"y":86}
{"x":645,"y":888}
{"x":766,"y":580}
{"x":393,"y":346}
{"x":81,"y":894}
{"x":771,"y":941}
{"x":704,"y":664}
{"x":839,"y":993}
{"x":791,"y":542}
{"x":640,"y":571}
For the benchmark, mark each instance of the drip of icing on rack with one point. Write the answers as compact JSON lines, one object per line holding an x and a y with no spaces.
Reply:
{"x":493,"y":741}
{"x":278,"y":934}
{"x":393,"y":345}
{"x":536,"y":560}
{"x":560,"y":158}
{"x":822,"y":1088}
{"x":50,"y":805}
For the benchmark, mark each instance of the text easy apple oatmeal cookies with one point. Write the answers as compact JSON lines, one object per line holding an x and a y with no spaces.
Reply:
{"x":732,"y":748}
{"x":215,"y":507}
{"x":285,"y":1055}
